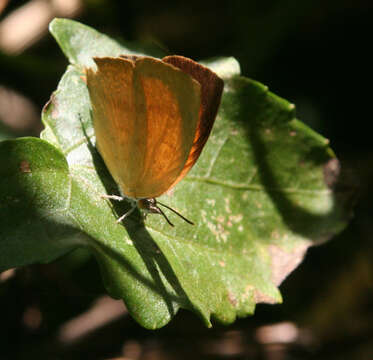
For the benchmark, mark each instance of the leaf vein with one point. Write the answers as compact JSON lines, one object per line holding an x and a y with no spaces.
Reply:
{"x":244,"y":186}
{"x":214,"y":159}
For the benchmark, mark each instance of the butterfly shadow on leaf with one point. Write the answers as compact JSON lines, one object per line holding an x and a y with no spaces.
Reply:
{"x":156,"y":263}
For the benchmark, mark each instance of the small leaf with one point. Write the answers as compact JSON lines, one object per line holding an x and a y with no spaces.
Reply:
{"x":35,"y":189}
{"x":261,"y":193}
{"x":80,"y":43}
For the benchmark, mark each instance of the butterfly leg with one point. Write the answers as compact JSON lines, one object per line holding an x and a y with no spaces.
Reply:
{"x":112,"y":197}
{"x":130,"y":211}
{"x":121,"y":198}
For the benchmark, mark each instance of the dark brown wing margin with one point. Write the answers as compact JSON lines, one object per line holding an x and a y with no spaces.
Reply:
{"x":211,"y":91}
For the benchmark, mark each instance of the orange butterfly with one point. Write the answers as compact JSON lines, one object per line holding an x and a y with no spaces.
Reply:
{"x":152,"y":119}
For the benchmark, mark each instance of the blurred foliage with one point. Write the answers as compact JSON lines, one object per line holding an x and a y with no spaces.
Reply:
{"x":314,"y":53}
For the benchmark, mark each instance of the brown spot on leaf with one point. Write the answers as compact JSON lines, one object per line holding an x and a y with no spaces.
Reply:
{"x":263,"y":298}
{"x":46,"y":106}
{"x":51,"y":102}
{"x":232,"y":299}
{"x":24,"y":167}
{"x":284,"y":262}
{"x":331,"y":170}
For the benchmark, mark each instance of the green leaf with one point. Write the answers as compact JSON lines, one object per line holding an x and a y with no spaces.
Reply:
{"x":35,"y":188}
{"x":261,"y":193}
{"x":80,"y":43}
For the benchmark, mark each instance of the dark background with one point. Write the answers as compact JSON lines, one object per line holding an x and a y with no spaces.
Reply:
{"x":315,"y":54}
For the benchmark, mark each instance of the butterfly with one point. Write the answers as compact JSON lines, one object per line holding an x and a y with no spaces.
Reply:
{"x":151,"y":119}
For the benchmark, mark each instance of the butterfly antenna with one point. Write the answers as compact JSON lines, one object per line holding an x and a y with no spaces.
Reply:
{"x":174,"y":211}
{"x":164,"y":215}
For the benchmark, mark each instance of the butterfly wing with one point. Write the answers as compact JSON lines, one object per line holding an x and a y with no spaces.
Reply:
{"x":113,"y":111}
{"x":145,"y":115}
{"x":211,"y":91}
